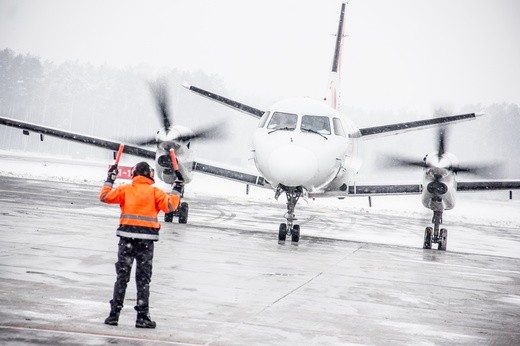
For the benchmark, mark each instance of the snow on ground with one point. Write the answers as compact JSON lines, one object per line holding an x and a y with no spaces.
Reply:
{"x":358,"y":275}
{"x":493,"y":208}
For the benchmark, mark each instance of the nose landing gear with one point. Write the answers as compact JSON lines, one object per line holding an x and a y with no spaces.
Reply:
{"x":436,"y":235}
{"x":294,"y":231}
{"x":293,"y":194}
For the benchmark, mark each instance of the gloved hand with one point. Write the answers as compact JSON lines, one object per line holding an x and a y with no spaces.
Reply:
{"x":112,"y":174}
{"x":178,"y":189}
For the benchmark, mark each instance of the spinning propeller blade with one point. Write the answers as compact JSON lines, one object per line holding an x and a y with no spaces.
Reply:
{"x":148,"y":141}
{"x":211,"y":132}
{"x":395,"y":161}
{"x":492,"y":169}
{"x":160,"y":92}
{"x":442,"y":134}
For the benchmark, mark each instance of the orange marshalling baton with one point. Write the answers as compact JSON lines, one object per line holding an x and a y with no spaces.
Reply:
{"x":119,"y":153}
{"x":174,"y":160}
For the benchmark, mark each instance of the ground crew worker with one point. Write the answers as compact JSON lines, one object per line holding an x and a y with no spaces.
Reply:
{"x":138,"y":229}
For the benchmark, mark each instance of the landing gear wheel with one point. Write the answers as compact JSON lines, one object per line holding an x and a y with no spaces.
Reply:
{"x":282,"y":232}
{"x":427,"y":238}
{"x":443,"y":239}
{"x":183,"y":212}
{"x":168,"y":217}
{"x":295,"y":234}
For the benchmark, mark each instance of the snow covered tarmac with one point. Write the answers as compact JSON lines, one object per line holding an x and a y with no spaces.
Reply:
{"x":358,"y":276}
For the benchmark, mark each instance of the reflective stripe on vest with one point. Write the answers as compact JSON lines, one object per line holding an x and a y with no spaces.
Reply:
{"x":138,"y":235}
{"x":139,"y":217}
{"x":139,"y":220}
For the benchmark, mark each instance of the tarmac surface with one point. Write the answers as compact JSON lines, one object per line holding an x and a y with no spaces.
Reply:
{"x":223,"y":279}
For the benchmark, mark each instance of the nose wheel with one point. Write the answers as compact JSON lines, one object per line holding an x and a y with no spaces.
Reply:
{"x":436,"y":235}
{"x":294,"y":232}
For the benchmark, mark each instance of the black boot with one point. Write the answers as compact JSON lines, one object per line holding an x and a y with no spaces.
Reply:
{"x":144,"y":321}
{"x":113,"y":318}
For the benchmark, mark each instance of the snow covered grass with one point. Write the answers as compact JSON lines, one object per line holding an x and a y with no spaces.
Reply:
{"x":493,"y":209}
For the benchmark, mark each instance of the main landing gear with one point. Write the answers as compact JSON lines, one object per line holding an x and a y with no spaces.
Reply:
{"x":289,"y":228}
{"x":182,"y":209}
{"x":436,"y":235}
{"x":181,"y":213}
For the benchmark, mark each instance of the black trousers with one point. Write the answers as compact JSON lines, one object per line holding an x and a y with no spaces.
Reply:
{"x":142,"y":251}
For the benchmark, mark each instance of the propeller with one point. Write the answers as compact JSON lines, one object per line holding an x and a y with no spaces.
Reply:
{"x":397,"y":161}
{"x":160,"y":93}
{"x":441,"y":160}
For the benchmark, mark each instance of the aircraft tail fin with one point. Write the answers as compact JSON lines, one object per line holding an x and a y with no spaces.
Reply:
{"x":333,"y":93}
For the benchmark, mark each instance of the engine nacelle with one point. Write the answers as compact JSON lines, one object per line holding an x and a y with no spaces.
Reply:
{"x":439,"y":194}
{"x":163,"y":163}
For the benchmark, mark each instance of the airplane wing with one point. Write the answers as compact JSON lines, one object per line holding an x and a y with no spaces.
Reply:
{"x":394,"y":129}
{"x":230,"y":174}
{"x":382,"y":190}
{"x":254,"y":112}
{"x":77,"y":137}
{"x":416,"y":189}
{"x":366,"y":133}
{"x":489,"y":185}
{"x":371,"y":190}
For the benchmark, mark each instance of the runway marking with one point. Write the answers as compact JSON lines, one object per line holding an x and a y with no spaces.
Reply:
{"x":303,"y":284}
{"x":102,"y":335}
{"x":359,"y":248}
{"x":291,"y":292}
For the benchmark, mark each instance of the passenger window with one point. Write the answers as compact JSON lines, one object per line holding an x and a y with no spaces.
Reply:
{"x":338,"y":127}
{"x":314,"y":123}
{"x":283,"y":121}
{"x":263,"y":119}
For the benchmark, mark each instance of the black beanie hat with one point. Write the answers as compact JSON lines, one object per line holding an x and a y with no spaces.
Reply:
{"x":144,"y":169}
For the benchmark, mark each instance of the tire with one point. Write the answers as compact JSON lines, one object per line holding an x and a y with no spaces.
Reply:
{"x":168,"y":217}
{"x":443,"y":241}
{"x":295,"y":234}
{"x":183,"y":213}
{"x":427,"y":238}
{"x":282,"y":232}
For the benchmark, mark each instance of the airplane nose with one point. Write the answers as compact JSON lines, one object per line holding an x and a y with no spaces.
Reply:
{"x":293,"y":165}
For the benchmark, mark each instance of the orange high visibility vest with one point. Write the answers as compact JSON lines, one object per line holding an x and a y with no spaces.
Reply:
{"x":140,"y":202}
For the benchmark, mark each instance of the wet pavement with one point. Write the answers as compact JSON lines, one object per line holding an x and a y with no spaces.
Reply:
{"x":356,"y":277}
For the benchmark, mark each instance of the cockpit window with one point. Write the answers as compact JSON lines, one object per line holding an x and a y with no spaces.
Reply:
{"x":282,"y":121}
{"x":338,"y":128}
{"x":314,"y":123}
{"x":263,"y":119}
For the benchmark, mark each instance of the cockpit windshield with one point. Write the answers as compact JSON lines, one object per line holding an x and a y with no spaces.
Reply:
{"x":314,"y":123}
{"x":283,"y":121}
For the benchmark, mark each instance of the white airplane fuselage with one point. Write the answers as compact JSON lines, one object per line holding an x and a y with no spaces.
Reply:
{"x":316,"y":147}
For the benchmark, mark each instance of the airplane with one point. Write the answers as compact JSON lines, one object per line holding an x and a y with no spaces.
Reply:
{"x":302,"y":148}
{"x":306,"y":147}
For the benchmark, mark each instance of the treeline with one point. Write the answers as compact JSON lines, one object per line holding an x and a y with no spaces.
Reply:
{"x":101,"y":101}
{"x":117,"y":104}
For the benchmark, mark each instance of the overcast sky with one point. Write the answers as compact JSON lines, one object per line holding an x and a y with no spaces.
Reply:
{"x":400,"y":54}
